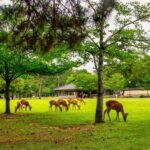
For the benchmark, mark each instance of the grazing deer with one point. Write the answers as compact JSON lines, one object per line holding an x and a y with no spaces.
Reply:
{"x":18,"y":107}
{"x":74,"y":103}
{"x":23,"y":104}
{"x":56,"y":104}
{"x":81,"y":100}
{"x":112,"y":104}
{"x":63,"y":103}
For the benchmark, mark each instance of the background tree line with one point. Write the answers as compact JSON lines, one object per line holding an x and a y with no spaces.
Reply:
{"x":129,"y":71}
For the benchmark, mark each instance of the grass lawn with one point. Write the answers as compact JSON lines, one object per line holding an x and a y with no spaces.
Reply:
{"x":40,"y":129}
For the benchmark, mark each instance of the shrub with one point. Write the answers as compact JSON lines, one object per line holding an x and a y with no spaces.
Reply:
{"x":142,"y":96}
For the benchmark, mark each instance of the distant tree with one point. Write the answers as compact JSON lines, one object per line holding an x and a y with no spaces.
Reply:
{"x":83,"y":80}
{"x":115,"y":82}
{"x":140,"y":73}
{"x":17,"y":87}
{"x":122,"y":60}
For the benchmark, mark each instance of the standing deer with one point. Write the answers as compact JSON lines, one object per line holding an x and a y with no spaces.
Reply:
{"x":81,"y":100}
{"x":56,"y":104}
{"x":63,"y":103}
{"x":74,"y":103}
{"x":112,"y":104}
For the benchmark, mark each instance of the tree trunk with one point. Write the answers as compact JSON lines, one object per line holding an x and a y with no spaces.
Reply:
{"x":99,"y":108}
{"x":147,"y":92}
{"x":58,"y":81}
{"x":20,"y":95}
{"x":7,"y":97}
{"x":12,"y":95}
{"x":40,"y":89}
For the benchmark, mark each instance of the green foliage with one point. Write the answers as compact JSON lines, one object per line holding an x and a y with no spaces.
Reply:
{"x":49,"y":27}
{"x":141,"y":72}
{"x":22,"y":63}
{"x":83,"y":80}
{"x":17,"y":84}
{"x":114,"y":82}
{"x":142,"y":96}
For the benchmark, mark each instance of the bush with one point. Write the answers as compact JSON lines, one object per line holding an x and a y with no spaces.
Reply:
{"x":142,"y":96}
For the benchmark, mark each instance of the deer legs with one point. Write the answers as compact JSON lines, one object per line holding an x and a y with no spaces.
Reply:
{"x":117,"y":116}
{"x":107,"y":110}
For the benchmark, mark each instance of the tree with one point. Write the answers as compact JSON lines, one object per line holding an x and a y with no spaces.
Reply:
{"x":70,"y":22}
{"x":140,"y":72}
{"x":115,"y":82}
{"x":83,"y":80}
{"x":17,"y":86}
{"x":10,"y":69}
{"x":105,"y":43}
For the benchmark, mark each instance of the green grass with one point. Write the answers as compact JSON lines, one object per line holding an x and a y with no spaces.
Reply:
{"x":40,"y":129}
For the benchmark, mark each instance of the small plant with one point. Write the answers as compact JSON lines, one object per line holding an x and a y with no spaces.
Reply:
{"x":142,"y":96}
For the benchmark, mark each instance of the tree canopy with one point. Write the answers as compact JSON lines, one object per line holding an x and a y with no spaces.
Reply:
{"x":83,"y":80}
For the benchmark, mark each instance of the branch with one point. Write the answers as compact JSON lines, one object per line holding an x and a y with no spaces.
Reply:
{"x":93,"y":41}
{"x":134,"y":40}
{"x":91,"y":6}
{"x":132,"y":22}
{"x":95,"y":64}
{"x":15,"y":77}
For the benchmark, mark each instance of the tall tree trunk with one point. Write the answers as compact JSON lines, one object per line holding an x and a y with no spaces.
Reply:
{"x":40,"y":89}
{"x":7,"y":97}
{"x":147,"y":92}
{"x":58,"y":80}
{"x":99,"y":108}
{"x":20,"y":95}
{"x":12,"y":95}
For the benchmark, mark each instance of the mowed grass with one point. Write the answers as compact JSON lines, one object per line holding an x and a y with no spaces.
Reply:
{"x":40,"y":129}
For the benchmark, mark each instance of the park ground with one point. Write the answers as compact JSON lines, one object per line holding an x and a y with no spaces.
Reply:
{"x":40,"y":129}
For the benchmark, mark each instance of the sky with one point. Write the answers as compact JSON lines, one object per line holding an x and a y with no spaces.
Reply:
{"x":89,"y":66}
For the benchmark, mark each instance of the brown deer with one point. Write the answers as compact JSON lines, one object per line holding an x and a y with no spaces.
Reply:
{"x":112,"y":104}
{"x":63,"y":103}
{"x":23,"y":104}
{"x":18,"y":107}
{"x":56,"y":104}
{"x":81,"y":100}
{"x":74,"y":103}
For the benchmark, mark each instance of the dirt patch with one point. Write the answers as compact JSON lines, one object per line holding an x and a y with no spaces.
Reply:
{"x":51,"y":136}
{"x":12,"y":116}
{"x":46,"y":133}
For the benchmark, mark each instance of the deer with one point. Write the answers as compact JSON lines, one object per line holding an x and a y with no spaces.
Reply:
{"x":115,"y":105}
{"x":81,"y":100}
{"x":74,"y":103}
{"x":18,"y":107}
{"x":56,"y":104}
{"x":23,"y":104}
{"x":63,"y":103}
